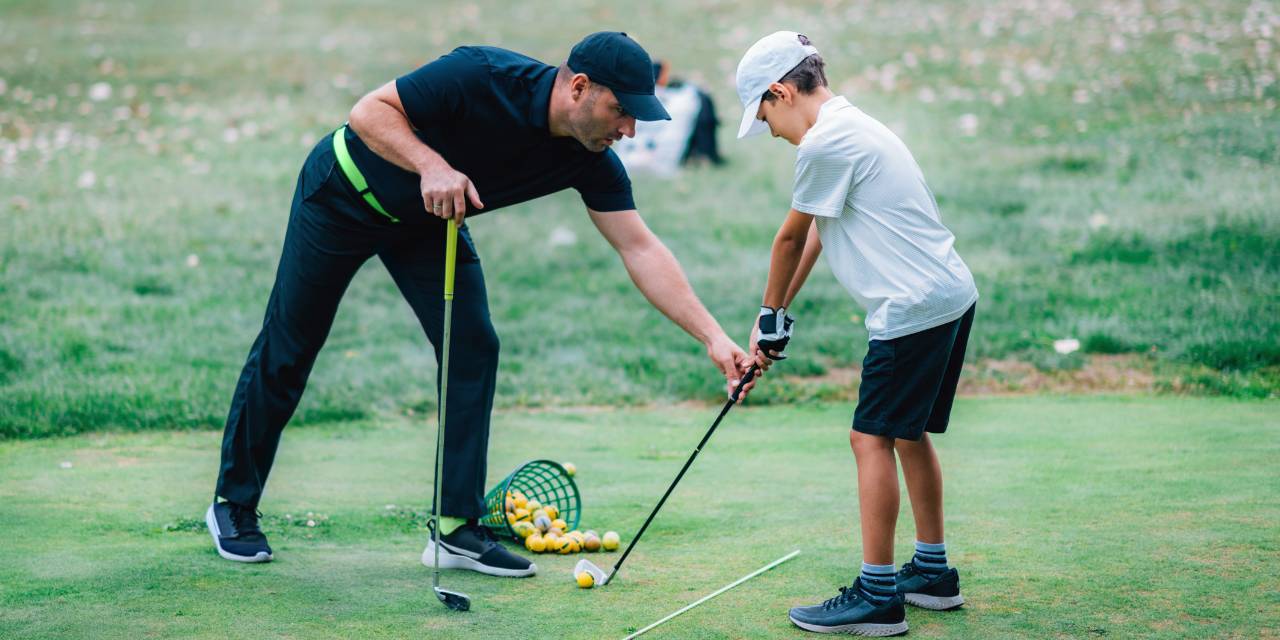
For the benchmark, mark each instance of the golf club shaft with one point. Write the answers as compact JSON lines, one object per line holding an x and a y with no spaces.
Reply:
{"x":450,"y":265}
{"x":733,"y":399}
{"x":718,"y":592}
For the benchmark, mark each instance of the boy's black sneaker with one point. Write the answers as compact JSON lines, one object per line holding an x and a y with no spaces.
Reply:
{"x":235,"y":532}
{"x":940,"y":593}
{"x":475,"y":547}
{"x":851,"y":614}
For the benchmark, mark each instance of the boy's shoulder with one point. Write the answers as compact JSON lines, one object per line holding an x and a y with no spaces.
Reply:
{"x":836,"y":132}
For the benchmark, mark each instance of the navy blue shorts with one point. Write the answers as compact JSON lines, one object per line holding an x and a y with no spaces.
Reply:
{"x":908,"y":383}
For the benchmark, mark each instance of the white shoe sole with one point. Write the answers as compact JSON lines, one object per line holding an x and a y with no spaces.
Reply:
{"x":450,"y":560}
{"x":857,"y":629}
{"x":936,"y":603}
{"x":212,"y":522}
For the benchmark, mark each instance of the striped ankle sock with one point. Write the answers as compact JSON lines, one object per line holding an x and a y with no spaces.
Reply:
{"x":877,"y":582}
{"x":930,"y":559}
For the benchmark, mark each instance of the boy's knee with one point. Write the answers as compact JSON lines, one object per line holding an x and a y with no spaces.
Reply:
{"x":864,"y":442}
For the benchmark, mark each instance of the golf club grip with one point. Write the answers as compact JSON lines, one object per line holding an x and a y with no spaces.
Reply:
{"x":751,"y":373}
{"x":450,"y":258}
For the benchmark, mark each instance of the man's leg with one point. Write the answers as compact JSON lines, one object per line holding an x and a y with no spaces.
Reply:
{"x":323,"y":249}
{"x":417,"y":264}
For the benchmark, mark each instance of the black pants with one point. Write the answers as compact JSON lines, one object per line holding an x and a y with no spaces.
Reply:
{"x":331,"y":234}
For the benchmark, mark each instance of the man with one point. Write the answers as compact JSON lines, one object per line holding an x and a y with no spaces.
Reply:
{"x":476,"y":130}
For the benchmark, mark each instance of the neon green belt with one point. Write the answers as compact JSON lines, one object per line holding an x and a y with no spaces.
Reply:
{"x":353,"y":174}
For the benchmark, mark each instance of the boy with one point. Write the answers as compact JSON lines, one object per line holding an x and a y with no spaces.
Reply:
{"x":859,"y":193}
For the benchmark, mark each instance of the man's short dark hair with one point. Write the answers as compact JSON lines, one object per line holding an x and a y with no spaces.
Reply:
{"x":806,"y":77}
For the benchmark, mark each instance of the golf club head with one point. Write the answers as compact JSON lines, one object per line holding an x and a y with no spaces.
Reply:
{"x":453,"y":599}
{"x":597,"y":574}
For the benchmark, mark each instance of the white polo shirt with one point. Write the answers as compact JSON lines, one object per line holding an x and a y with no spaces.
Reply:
{"x":879,"y":224}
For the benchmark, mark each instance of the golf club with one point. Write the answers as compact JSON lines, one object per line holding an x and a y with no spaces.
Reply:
{"x":597,"y":574}
{"x":717,"y":592}
{"x":452,"y":599}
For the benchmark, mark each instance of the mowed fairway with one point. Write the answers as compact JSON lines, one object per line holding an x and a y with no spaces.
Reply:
{"x":1143,"y":517}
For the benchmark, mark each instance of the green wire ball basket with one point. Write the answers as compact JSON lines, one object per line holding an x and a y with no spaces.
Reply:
{"x":542,"y":480}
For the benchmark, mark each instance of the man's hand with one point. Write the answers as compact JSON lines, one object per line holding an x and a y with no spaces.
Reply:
{"x":445,"y":193}
{"x":774,"y":332}
{"x":733,"y":362}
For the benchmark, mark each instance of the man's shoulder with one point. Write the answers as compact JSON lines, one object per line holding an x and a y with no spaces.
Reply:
{"x":504,"y":63}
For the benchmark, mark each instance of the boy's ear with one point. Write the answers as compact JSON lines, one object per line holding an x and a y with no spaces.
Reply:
{"x":781,"y":91}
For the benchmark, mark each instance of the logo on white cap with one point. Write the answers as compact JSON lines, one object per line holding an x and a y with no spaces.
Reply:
{"x":765,"y":63}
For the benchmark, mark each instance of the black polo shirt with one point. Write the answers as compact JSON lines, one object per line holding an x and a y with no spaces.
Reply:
{"x":484,"y":109}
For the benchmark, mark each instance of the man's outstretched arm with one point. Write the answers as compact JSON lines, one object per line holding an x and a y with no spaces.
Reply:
{"x":658,"y":276}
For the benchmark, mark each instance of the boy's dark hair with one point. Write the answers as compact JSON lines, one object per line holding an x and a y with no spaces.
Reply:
{"x":806,"y":76}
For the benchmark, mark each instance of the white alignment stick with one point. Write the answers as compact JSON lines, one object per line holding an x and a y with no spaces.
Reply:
{"x":719,"y":591}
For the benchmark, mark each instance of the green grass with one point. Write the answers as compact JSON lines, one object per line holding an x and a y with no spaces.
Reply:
{"x":1110,"y":177}
{"x":1068,"y":517}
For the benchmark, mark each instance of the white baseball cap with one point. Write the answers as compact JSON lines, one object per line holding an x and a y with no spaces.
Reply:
{"x":770,"y":58}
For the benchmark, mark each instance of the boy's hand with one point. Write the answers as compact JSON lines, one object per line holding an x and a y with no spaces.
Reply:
{"x":775,"y":332}
{"x":761,"y":360}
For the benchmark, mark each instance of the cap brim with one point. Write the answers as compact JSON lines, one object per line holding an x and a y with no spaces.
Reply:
{"x":645,"y":107}
{"x":752,"y":126}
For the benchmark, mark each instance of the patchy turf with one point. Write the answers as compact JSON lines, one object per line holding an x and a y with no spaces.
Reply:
{"x":1067,"y":516}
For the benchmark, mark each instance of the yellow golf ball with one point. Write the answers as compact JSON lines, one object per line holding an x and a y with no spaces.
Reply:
{"x":570,"y":469}
{"x":592,"y":543}
{"x":535,"y":543}
{"x":532,"y":505}
{"x":559,"y":524}
{"x":586,"y":580}
{"x":553,"y":512}
{"x":611,"y":540}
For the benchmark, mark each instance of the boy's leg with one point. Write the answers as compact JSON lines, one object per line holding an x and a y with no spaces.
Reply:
{"x":877,"y":495}
{"x":923,"y":474}
{"x":927,"y":581}
{"x":872,"y":606}
{"x":878,"y":512}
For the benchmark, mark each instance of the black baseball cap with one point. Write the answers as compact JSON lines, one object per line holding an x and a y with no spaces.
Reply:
{"x":614,"y":60}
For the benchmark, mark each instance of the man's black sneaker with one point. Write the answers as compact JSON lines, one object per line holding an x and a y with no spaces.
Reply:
{"x":235,"y":532}
{"x":940,"y":593}
{"x":851,"y":614}
{"x":475,"y":547}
